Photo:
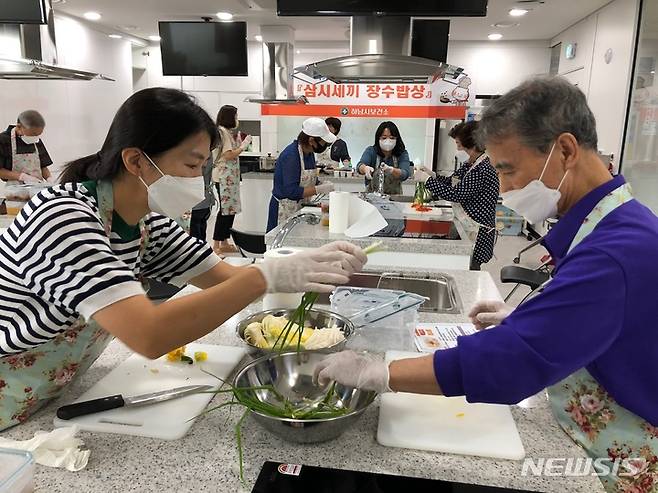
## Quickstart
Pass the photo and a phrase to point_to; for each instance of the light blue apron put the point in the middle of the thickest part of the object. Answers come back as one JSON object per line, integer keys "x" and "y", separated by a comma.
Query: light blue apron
{"x": 28, "y": 380}
{"x": 592, "y": 418}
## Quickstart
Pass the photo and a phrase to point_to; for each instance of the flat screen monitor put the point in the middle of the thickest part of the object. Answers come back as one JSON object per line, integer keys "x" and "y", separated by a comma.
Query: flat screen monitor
{"x": 204, "y": 48}
{"x": 419, "y": 8}
{"x": 23, "y": 12}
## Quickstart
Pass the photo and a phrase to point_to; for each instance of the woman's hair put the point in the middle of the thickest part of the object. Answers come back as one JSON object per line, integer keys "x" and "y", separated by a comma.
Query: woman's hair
{"x": 303, "y": 139}
{"x": 334, "y": 122}
{"x": 466, "y": 133}
{"x": 393, "y": 128}
{"x": 226, "y": 116}
{"x": 154, "y": 120}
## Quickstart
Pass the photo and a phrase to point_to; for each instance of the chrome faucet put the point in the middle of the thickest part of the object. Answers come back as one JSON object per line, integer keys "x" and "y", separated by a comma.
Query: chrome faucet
{"x": 290, "y": 224}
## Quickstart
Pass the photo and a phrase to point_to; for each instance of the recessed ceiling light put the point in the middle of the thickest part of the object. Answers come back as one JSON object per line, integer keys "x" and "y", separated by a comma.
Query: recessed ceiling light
{"x": 128, "y": 28}
{"x": 495, "y": 36}
{"x": 92, "y": 16}
{"x": 653, "y": 72}
{"x": 154, "y": 38}
{"x": 115, "y": 36}
{"x": 298, "y": 51}
{"x": 224, "y": 16}
{"x": 505, "y": 24}
{"x": 58, "y": 1}
{"x": 258, "y": 37}
{"x": 518, "y": 12}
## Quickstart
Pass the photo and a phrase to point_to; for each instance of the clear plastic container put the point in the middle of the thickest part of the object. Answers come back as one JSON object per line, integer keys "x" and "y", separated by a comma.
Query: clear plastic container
{"x": 17, "y": 192}
{"x": 14, "y": 206}
{"x": 16, "y": 471}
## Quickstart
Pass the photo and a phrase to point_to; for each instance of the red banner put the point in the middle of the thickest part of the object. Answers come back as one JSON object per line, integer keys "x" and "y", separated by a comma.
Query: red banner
{"x": 365, "y": 111}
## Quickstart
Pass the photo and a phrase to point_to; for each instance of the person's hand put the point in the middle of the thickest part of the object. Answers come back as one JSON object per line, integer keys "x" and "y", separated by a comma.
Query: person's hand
{"x": 486, "y": 313}
{"x": 387, "y": 170}
{"x": 324, "y": 187}
{"x": 353, "y": 370}
{"x": 421, "y": 176}
{"x": 354, "y": 258}
{"x": 245, "y": 143}
{"x": 425, "y": 169}
{"x": 368, "y": 171}
{"x": 315, "y": 270}
{"x": 29, "y": 179}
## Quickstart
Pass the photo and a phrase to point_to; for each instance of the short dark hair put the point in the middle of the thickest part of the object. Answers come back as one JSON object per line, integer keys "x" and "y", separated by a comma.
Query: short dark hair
{"x": 226, "y": 116}
{"x": 31, "y": 119}
{"x": 393, "y": 128}
{"x": 537, "y": 112}
{"x": 334, "y": 122}
{"x": 465, "y": 132}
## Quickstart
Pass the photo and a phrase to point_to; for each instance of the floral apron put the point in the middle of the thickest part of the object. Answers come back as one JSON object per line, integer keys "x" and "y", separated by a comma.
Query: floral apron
{"x": 591, "y": 417}
{"x": 226, "y": 173}
{"x": 391, "y": 185}
{"x": 24, "y": 163}
{"x": 307, "y": 178}
{"x": 29, "y": 380}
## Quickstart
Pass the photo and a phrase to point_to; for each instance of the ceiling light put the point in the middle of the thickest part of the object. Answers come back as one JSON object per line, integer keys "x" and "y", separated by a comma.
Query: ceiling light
{"x": 258, "y": 37}
{"x": 115, "y": 36}
{"x": 92, "y": 16}
{"x": 518, "y": 12}
{"x": 58, "y": 1}
{"x": 495, "y": 36}
{"x": 298, "y": 51}
{"x": 653, "y": 72}
{"x": 154, "y": 38}
{"x": 505, "y": 24}
{"x": 224, "y": 16}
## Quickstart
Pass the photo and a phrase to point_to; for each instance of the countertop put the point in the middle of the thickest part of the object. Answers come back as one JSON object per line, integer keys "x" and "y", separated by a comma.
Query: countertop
{"x": 262, "y": 175}
{"x": 206, "y": 459}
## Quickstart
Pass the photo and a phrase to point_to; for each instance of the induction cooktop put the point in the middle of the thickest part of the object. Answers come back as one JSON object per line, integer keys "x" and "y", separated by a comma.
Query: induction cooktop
{"x": 291, "y": 478}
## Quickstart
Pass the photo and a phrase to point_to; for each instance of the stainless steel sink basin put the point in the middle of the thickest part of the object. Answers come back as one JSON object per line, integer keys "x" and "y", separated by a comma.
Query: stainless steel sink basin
{"x": 442, "y": 291}
{"x": 401, "y": 198}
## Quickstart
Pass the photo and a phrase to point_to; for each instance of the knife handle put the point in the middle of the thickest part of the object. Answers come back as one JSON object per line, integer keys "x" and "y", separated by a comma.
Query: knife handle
{"x": 90, "y": 407}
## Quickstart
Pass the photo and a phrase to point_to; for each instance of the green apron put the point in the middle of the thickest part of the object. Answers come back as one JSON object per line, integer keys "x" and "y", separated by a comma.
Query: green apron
{"x": 28, "y": 380}
{"x": 591, "y": 417}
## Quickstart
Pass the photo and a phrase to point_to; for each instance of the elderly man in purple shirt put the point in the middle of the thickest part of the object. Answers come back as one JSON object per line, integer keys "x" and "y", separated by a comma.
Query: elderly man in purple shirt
{"x": 590, "y": 337}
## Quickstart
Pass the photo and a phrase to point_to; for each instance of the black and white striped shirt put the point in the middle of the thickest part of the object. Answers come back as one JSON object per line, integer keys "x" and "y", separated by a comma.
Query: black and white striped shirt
{"x": 57, "y": 263}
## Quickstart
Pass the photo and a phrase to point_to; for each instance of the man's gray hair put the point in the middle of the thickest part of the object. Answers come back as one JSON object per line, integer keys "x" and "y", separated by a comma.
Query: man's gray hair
{"x": 537, "y": 112}
{"x": 31, "y": 119}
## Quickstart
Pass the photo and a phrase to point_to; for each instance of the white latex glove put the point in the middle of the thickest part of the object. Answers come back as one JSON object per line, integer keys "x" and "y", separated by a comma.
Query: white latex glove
{"x": 354, "y": 258}
{"x": 245, "y": 143}
{"x": 427, "y": 170}
{"x": 421, "y": 176}
{"x": 387, "y": 170}
{"x": 353, "y": 370}
{"x": 324, "y": 187}
{"x": 486, "y": 313}
{"x": 29, "y": 179}
{"x": 314, "y": 270}
{"x": 368, "y": 171}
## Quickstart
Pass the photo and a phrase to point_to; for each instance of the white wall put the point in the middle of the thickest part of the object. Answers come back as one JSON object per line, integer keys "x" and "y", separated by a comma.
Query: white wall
{"x": 77, "y": 113}
{"x": 496, "y": 67}
{"x": 606, "y": 85}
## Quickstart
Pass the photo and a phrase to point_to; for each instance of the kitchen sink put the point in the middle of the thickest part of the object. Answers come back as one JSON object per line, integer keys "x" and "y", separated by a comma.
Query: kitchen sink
{"x": 441, "y": 291}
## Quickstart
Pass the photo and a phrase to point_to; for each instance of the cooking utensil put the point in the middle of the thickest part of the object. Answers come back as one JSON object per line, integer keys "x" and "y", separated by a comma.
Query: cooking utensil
{"x": 115, "y": 401}
{"x": 291, "y": 375}
{"x": 267, "y": 163}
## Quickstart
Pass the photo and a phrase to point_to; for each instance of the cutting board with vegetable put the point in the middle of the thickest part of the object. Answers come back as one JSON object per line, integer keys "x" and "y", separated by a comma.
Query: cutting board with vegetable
{"x": 447, "y": 424}
{"x": 168, "y": 420}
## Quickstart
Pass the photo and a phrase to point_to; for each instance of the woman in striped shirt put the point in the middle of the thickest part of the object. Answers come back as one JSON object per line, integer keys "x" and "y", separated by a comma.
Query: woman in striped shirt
{"x": 72, "y": 261}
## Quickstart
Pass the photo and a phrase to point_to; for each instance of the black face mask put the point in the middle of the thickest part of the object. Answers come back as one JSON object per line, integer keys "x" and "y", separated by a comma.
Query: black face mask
{"x": 320, "y": 148}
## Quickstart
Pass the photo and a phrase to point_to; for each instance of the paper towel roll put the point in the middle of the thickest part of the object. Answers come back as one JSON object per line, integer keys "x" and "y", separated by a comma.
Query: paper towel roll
{"x": 339, "y": 206}
{"x": 272, "y": 301}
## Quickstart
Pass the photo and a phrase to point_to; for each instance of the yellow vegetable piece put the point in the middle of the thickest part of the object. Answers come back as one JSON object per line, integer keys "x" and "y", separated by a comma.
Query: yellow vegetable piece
{"x": 460, "y": 415}
{"x": 253, "y": 334}
{"x": 200, "y": 356}
{"x": 176, "y": 354}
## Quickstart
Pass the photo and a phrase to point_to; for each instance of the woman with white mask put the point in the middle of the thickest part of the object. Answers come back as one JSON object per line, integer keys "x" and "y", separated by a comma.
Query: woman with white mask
{"x": 386, "y": 163}
{"x": 73, "y": 262}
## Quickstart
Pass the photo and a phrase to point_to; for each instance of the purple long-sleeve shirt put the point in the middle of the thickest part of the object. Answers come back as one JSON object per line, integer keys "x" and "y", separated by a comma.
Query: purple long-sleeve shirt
{"x": 598, "y": 312}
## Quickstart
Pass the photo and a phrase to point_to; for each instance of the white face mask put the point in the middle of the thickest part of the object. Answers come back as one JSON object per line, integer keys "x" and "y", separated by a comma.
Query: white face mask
{"x": 536, "y": 202}
{"x": 28, "y": 139}
{"x": 173, "y": 196}
{"x": 387, "y": 144}
{"x": 462, "y": 156}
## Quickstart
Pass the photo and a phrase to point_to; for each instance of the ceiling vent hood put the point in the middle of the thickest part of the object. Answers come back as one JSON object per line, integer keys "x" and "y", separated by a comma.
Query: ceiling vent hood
{"x": 277, "y": 75}
{"x": 29, "y": 52}
{"x": 380, "y": 49}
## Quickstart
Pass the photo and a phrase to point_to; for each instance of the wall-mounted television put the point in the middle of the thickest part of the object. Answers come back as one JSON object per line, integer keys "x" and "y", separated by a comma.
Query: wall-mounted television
{"x": 204, "y": 48}
{"x": 23, "y": 12}
{"x": 419, "y": 8}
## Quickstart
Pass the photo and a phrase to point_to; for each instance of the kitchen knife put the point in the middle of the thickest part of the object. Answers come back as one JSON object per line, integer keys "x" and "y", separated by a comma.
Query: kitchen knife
{"x": 116, "y": 401}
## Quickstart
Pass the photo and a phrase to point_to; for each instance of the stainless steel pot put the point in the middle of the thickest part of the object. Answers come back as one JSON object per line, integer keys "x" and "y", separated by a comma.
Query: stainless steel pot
{"x": 267, "y": 163}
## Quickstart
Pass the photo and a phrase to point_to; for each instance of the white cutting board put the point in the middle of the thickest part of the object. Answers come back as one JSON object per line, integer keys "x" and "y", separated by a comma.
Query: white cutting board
{"x": 447, "y": 424}
{"x": 168, "y": 420}
{"x": 436, "y": 214}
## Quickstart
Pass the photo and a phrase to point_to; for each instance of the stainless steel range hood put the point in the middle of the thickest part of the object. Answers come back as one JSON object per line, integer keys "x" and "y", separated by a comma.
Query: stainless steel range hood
{"x": 380, "y": 54}
{"x": 30, "y": 52}
{"x": 277, "y": 75}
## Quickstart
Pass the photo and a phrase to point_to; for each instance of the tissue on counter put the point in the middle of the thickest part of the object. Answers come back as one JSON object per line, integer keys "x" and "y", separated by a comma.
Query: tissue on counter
{"x": 339, "y": 211}
{"x": 364, "y": 219}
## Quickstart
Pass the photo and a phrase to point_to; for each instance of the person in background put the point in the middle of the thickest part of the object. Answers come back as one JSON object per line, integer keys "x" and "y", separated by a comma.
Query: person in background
{"x": 23, "y": 157}
{"x": 295, "y": 174}
{"x": 590, "y": 336}
{"x": 201, "y": 212}
{"x": 226, "y": 175}
{"x": 473, "y": 189}
{"x": 386, "y": 160}
{"x": 337, "y": 152}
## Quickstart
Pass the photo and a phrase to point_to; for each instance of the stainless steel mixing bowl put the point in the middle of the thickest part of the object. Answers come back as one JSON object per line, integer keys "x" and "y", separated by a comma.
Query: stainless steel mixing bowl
{"x": 315, "y": 317}
{"x": 291, "y": 374}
